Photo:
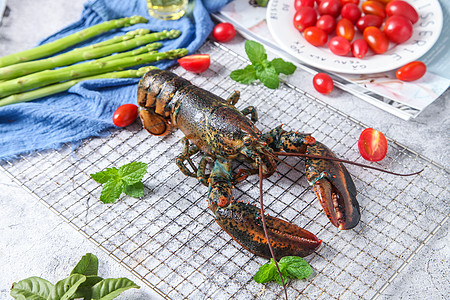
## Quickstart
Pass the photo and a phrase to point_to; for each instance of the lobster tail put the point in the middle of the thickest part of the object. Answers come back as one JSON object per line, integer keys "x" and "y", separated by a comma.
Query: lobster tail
{"x": 155, "y": 94}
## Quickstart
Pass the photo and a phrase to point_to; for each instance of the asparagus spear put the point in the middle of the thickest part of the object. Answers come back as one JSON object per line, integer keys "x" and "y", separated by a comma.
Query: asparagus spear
{"x": 117, "y": 39}
{"x": 84, "y": 53}
{"x": 70, "y": 40}
{"x": 103, "y": 65}
{"x": 64, "y": 86}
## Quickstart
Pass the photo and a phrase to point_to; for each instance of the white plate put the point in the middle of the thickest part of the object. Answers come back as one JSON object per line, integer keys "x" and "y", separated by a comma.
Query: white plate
{"x": 280, "y": 15}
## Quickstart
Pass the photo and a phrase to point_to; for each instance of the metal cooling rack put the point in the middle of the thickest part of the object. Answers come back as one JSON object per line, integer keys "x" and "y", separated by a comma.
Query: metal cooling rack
{"x": 171, "y": 241}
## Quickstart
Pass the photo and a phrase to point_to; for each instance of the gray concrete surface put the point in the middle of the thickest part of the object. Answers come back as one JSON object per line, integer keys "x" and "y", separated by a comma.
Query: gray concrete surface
{"x": 34, "y": 241}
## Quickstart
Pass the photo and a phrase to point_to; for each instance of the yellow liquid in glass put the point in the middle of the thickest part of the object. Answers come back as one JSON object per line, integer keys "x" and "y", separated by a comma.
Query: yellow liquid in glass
{"x": 167, "y": 9}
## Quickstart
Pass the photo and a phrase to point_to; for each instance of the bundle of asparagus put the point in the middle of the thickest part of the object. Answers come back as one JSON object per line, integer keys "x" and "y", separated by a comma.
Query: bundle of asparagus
{"x": 27, "y": 75}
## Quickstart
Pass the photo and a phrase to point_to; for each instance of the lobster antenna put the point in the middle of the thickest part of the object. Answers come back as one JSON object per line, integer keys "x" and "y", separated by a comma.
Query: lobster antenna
{"x": 343, "y": 161}
{"x": 265, "y": 228}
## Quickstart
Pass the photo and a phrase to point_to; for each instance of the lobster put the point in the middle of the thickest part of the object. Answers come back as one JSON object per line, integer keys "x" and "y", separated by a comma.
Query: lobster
{"x": 222, "y": 134}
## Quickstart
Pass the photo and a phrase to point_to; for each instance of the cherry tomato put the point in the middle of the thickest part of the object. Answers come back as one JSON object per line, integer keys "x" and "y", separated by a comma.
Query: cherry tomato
{"x": 372, "y": 145}
{"x": 339, "y": 46}
{"x": 327, "y": 23}
{"x": 301, "y": 3}
{"x": 125, "y": 115}
{"x": 224, "y": 32}
{"x": 402, "y": 8}
{"x": 351, "y": 11}
{"x": 323, "y": 83}
{"x": 196, "y": 63}
{"x": 376, "y": 39}
{"x": 315, "y": 36}
{"x": 346, "y": 29}
{"x": 411, "y": 71}
{"x": 398, "y": 29}
{"x": 373, "y": 8}
{"x": 305, "y": 17}
{"x": 368, "y": 20}
{"x": 343, "y": 2}
{"x": 330, "y": 7}
{"x": 359, "y": 48}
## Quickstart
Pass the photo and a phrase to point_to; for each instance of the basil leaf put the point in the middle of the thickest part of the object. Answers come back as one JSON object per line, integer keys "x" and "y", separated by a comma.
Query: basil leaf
{"x": 85, "y": 289}
{"x": 66, "y": 288}
{"x": 112, "y": 287}
{"x": 103, "y": 176}
{"x": 32, "y": 288}
{"x": 111, "y": 191}
{"x": 135, "y": 190}
{"x": 255, "y": 52}
{"x": 282, "y": 66}
{"x": 245, "y": 76}
{"x": 88, "y": 265}
{"x": 132, "y": 172}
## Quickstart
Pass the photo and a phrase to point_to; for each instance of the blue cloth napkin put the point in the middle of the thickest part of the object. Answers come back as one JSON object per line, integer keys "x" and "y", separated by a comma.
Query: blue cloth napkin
{"x": 86, "y": 109}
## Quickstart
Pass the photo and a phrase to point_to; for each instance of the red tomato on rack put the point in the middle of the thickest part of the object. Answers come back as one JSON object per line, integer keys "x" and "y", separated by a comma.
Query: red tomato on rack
{"x": 372, "y": 145}
{"x": 125, "y": 115}
{"x": 224, "y": 32}
{"x": 195, "y": 63}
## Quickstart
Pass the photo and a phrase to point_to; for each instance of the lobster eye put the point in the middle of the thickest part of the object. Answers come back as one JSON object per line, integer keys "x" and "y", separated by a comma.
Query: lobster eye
{"x": 247, "y": 140}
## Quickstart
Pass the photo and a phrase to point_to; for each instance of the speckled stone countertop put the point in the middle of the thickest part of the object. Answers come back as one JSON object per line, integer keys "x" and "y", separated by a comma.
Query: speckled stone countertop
{"x": 35, "y": 242}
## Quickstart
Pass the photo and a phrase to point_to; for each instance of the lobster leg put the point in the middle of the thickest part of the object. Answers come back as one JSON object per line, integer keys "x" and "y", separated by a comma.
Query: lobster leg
{"x": 330, "y": 179}
{"x": 243, "y": 221}
{"x": 186, "y": 156}
{"x": 199, "y": 172}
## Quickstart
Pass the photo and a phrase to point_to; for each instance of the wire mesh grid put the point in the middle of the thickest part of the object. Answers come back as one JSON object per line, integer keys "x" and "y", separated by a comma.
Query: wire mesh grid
{"x": 170, "y": 240}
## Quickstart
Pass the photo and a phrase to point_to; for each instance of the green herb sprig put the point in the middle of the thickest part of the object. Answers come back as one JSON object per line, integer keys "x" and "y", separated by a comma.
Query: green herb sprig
{"x": 83, "y": 282}
{"x": 127, "y": 179}
{"x": 290, "y": 266}
{"x": 261, "y": 68}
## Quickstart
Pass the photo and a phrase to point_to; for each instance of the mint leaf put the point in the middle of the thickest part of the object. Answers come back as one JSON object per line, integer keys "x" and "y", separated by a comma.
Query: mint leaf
{"x": 297, "y": 267}
{"x": 132, "y": 172}
{"x": 111, "y": 191}
{"x": 127, "y": 179}
{"x": 290, "y": 266}
{"x": 266, "y": 71}
{"x": 103, "y": 176}
{"x": 266, "y": 273}
{"x": 255, "y": 52}
{"x": 135, "y": 190}
{"x": 268, "y": 76}
{"x": 282, "y": 66}
{"x": 88, "y": 265}
{"x": 245, "y": 76}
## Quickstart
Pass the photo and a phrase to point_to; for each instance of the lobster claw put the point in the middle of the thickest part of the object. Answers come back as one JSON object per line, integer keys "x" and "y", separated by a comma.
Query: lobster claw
{"x": 243, "y": 222}
{"x": 333, "y": 186}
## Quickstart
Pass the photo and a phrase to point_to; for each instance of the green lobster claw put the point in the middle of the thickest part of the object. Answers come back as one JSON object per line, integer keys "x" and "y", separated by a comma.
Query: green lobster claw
{"x": 243, "y": 221}
{"x": 333, "y": 187}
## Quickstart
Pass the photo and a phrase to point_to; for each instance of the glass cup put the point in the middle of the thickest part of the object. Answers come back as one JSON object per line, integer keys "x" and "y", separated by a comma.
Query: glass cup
{"x": 167, "y": 9}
